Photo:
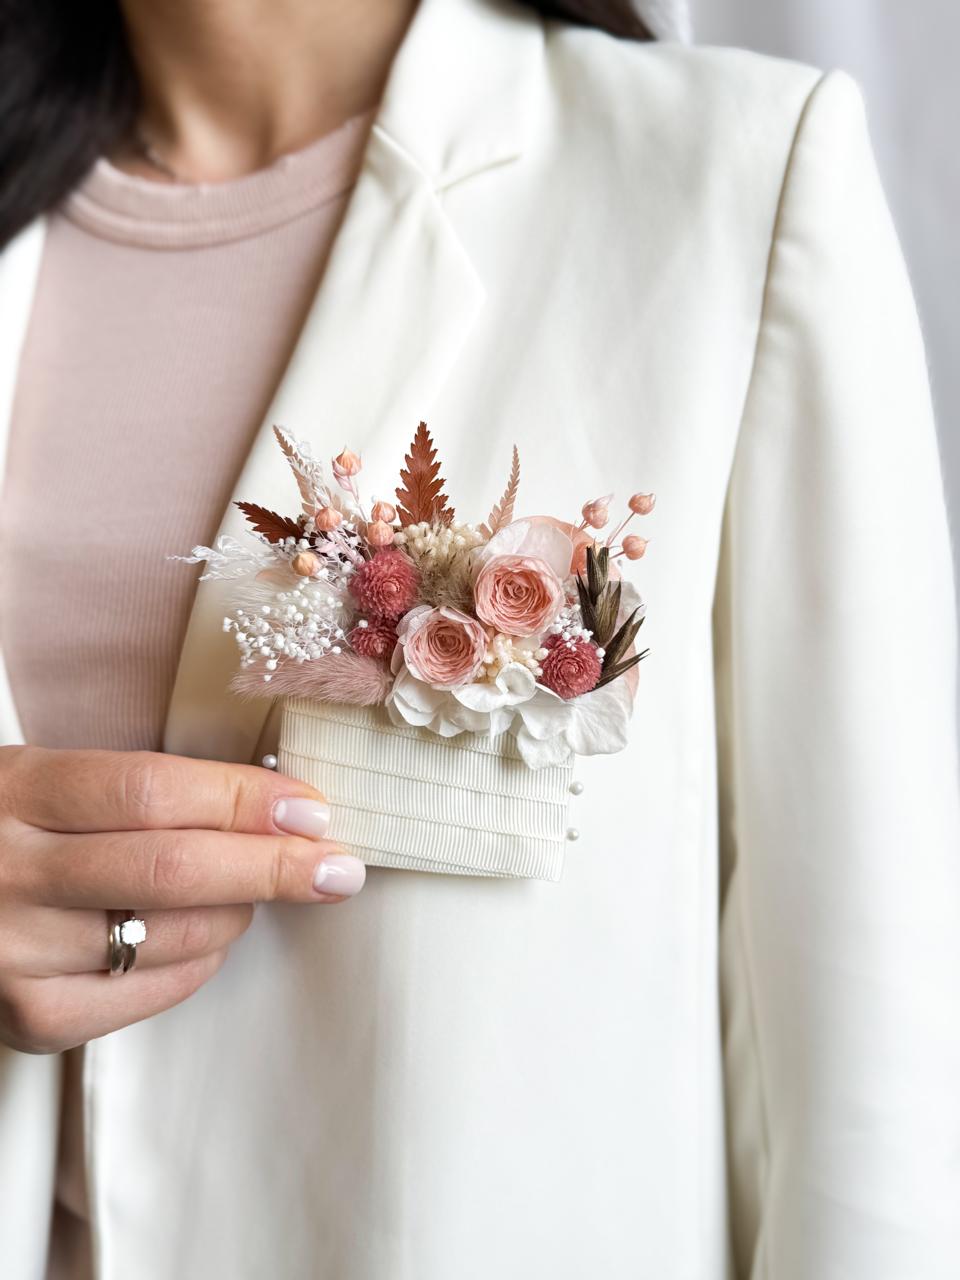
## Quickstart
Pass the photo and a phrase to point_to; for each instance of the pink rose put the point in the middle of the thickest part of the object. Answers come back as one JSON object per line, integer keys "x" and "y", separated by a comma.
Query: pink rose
{"x": 519, "y": 595}
{"x": 443, "y": 647}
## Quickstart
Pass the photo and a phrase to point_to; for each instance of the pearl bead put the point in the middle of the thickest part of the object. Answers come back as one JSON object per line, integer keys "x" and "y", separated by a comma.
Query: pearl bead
{"x": 573, "y": 833}
{"x": 269, "y": 762}
{"x": 576, "y": 788}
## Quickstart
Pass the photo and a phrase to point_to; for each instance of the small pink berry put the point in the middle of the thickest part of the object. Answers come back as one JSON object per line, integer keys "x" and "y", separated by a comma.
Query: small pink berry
{"x": 305, "y": 564}
{"x": 641, "y": 504}
{"x": 384, "y": 511}
{"x": 597, "y": 512}
{"x": 634, "y": 546}
{"x": 379, "y": 533}
{"x": 327, "y": 519}
{"x": 346, "y": 463}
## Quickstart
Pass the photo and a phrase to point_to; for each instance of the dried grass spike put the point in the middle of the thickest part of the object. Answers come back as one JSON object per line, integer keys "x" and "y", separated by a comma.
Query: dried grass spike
{"x": 338, "y": 677}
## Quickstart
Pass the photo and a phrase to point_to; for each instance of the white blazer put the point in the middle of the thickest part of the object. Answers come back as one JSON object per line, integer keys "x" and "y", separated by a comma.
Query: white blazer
{"x": 727, "y": 1043}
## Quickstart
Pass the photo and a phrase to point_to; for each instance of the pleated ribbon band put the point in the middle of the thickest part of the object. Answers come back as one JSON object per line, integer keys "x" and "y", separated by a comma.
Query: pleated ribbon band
{"x": 405, "y": 797}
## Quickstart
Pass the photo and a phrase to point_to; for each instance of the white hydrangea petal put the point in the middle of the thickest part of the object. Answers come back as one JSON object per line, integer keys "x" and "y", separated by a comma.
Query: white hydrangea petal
{"x": 539, "y": 753}
{"x": 600, "y": 720}
{"x": 545, "y": 715}
{"x": 514, "y": 684}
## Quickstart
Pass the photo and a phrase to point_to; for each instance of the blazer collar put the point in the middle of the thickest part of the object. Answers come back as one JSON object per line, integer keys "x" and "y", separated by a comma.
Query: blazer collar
{"x": 398, "y": 299}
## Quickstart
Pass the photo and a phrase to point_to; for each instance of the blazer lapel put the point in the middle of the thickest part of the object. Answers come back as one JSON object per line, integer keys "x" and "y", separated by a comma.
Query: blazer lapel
{"x": 397, "y": 301}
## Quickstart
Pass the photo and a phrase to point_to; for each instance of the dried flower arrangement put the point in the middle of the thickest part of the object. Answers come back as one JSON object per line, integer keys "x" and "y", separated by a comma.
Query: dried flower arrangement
{"x": 514, "y": 624}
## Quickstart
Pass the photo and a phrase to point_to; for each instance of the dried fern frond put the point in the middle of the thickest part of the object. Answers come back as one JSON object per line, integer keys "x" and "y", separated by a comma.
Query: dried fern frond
{"x": 502, "y": 512}
{"x": 422, "y": 498}
{"x": 307, "y": 473}
{"x": 273, "y": 527}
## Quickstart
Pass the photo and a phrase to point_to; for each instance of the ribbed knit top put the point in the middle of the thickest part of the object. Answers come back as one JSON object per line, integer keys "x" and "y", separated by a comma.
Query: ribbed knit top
{"x": 164, "y": 316}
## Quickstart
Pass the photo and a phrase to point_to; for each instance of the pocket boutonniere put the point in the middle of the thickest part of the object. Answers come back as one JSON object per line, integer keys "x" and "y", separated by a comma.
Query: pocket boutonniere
{"x": 513, "y": 639}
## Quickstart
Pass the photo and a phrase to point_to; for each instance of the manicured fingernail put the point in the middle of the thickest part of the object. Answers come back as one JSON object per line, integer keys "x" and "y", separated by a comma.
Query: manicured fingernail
{"x": 302, "y": 817}
{"x": 339, "y": 873}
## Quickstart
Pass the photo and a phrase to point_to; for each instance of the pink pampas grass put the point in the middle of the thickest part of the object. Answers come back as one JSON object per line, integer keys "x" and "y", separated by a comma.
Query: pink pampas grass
{"x": 339, "y": 677}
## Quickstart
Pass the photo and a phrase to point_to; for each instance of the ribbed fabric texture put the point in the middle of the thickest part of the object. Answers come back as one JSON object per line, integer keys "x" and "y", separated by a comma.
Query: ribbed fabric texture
{"x": 405, "y": 797}
{"x": 164, "y": 316}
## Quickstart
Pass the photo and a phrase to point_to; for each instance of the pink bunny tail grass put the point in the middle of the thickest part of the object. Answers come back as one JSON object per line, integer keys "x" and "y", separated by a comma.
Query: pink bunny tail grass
{"x": 339, "y": 677}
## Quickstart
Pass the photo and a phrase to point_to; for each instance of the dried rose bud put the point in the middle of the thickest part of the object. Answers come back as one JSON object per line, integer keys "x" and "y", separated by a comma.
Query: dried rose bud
{"x": 379, "y": 533}
{"x": 305, "y": 564}
{"x": 346, "y": 463}
{"x": 384, "y": 511}
{"x": 641, "y": 504}
{"x": 596, "y": 513}
{"x": 327, "y": 519}
{"x": 634, "y": 546}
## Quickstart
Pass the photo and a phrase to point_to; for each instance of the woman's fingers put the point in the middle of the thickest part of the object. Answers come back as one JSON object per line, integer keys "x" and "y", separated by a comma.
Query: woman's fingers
{"x": 49, "y": 943}
{"x": 48, "y": 1015}
{"x": 75, "y": 791}
{"x": 170, "y": 869}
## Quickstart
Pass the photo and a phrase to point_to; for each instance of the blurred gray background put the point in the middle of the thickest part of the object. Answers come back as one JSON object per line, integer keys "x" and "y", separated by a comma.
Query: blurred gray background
{"x": 904, "y": 56}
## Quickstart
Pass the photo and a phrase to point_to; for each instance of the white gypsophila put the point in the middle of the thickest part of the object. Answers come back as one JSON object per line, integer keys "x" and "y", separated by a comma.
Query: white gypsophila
{"x": 568, "y": 625}
{"x": 301, "y": 624}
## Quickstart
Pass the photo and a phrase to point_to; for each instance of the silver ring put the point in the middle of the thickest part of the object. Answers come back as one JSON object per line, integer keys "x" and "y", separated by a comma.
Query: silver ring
{"x": 122, "y": 939}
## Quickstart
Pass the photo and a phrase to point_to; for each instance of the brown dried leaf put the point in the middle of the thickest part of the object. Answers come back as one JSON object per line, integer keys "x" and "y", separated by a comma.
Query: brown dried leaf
{"x": 272, "y": 526}
{"x": 422, "y": 497}
{"x": 620, "y": 669}
{"x": 502, "y": 512}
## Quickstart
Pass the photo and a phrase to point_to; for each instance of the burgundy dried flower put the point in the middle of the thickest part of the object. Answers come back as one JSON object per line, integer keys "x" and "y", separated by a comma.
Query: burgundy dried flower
{"x": 571, "y": 667}
{"x": 386, "y": 586}
{"x": 376, "y": 640}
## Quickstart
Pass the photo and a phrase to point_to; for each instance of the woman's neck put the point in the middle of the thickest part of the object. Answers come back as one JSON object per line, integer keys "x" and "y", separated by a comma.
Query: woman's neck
{"x": 229, "y": 85}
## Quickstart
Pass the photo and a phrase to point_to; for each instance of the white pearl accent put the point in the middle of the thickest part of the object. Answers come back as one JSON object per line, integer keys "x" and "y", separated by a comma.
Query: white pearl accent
{"x": 573, "y": 833}
{"x": 269, "y": 762}
{"x": 576, "y": 788}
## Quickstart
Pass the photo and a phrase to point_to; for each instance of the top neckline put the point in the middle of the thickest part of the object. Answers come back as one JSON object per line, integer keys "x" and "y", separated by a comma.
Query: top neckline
{"x": 134, "y": 210}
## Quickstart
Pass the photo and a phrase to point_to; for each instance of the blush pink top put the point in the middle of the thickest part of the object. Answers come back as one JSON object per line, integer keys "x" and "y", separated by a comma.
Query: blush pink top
{"x": 164, "y": 316}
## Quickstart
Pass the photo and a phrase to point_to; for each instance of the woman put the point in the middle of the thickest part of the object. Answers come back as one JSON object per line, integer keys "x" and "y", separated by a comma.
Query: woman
{"x": 727, "y": 1043}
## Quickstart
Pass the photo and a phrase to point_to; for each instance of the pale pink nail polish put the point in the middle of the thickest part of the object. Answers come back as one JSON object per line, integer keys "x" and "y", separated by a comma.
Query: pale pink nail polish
{"x": 340, "y": 873}
{"x": 299, "y": 816}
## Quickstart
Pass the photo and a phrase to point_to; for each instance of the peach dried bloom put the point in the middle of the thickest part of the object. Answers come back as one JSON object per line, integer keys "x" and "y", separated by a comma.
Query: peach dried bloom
{"x": 346, "y": 464}
{"x": 641, "y": 504}
{"x": 327, "y": 519}
{"x": 386, "y": 586}
{"x": 442, "y": 647}
{"x": 634, "y": 546}
{"x": 519, "y": 595}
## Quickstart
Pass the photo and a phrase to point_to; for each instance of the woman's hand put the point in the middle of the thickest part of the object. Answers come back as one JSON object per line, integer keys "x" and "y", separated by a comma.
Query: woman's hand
{"x": 191, "y": 844}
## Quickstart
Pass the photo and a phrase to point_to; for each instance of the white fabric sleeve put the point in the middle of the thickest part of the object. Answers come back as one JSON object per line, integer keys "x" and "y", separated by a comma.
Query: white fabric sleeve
{"x": 836, "y": 656}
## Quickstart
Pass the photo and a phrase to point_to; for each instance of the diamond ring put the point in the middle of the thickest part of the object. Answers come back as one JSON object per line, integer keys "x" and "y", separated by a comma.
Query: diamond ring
{"x": 122, "y": 939}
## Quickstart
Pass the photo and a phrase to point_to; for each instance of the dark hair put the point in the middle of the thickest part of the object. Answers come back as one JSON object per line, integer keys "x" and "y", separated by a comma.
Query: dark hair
{"x": 69, "y": 91}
